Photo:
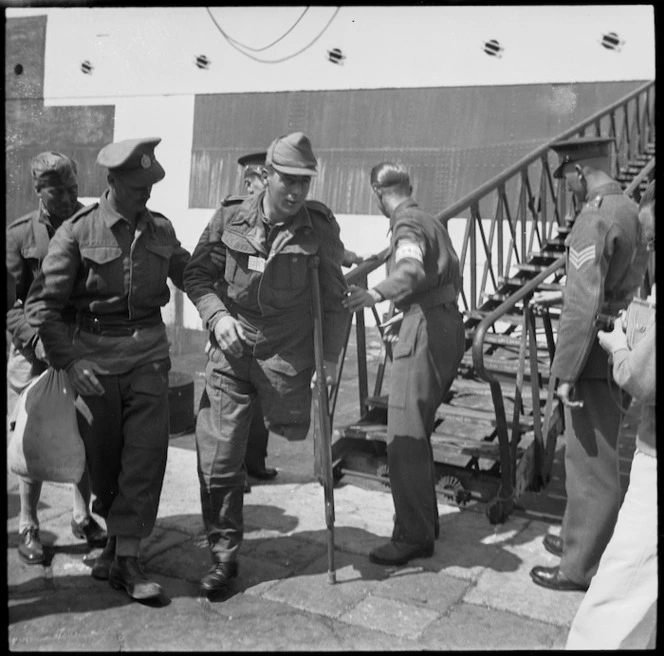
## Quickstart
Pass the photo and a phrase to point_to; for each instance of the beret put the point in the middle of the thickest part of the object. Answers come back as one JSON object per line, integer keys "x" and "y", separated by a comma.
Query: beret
{"x": 50, "y": 169}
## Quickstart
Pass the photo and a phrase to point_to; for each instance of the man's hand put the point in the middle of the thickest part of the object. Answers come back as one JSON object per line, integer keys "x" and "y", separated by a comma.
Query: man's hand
{"x": 613, "y": 340}
{"x": 83, "y": 380}
{"x": 39, "y": 351}
{"x": 391, "y": 328}
{"x": 229, "y": 334}
{"x": 330, "y": 374}
{"x": 564, "y": 393}
{"x": 358, "y": 298}
{"x": 546, "y": 299}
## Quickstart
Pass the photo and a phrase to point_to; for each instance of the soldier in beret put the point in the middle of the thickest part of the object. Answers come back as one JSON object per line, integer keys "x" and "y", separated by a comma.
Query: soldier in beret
{"x": 606, "y": 262}
{"x": 56, "y": 185}
{"x": 249, "y": 278}
{"x": 97, "y": 306}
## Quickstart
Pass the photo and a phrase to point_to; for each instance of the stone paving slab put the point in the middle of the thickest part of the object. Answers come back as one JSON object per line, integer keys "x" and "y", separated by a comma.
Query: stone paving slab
{"x": 473, "y": 593}
{"x": 517, "y": 593}
{"x": 470, "y": 627}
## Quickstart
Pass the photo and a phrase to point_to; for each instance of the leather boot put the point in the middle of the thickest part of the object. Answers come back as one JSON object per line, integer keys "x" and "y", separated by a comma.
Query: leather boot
{"x": 29, "y": 547}
{"x": 104, "y": 561}
{"x": 219, "y": 577}
{"x": 399, "y": 553}
{"x": 126, "y": 572}
{"x": 90, "y": 531}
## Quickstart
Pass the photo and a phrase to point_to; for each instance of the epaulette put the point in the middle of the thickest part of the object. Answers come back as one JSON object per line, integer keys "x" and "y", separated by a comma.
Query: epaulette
{"x": 21, "y": 219}
{"x": 232, "y": 199}
{"x": 321, "y": 208}
{"x": 595, "y": 203}
{"x": 83, "y": 212}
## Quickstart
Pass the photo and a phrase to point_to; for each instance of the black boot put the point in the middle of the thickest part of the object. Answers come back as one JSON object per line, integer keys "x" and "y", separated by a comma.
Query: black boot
{"x": 219, "y": 577}
{"x": 126, "y": 572}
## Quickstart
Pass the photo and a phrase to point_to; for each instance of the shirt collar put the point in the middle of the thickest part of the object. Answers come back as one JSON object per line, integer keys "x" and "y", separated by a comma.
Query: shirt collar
{"x": 111, "y": 216}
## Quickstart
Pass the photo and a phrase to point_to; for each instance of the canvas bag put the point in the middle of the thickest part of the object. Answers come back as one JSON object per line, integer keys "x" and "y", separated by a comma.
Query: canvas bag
{"x": 46, "y": 444}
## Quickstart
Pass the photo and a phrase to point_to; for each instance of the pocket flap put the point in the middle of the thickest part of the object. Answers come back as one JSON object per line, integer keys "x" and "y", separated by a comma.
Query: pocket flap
{"x": 101, "y": 254}
{"x": 162, "y": 250}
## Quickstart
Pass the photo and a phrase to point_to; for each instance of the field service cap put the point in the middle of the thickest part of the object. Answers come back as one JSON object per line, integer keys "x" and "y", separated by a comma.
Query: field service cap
{"x": 133, "y": 160}
{"x": 292, "y": 154}
{"x": 50, "y": 169}
{"x": 252, "y": 163}
{"x": 582, "y": 148}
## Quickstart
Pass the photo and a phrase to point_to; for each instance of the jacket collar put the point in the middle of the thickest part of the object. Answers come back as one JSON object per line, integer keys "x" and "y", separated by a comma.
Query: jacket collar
{"x": 110, "y": 216}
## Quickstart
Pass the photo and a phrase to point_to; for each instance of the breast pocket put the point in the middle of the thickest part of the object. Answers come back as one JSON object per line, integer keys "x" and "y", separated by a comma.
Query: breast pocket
{"x": 156, "y": 273}
{"x": 105, "y": 270}
{"x": 290, "y": 271}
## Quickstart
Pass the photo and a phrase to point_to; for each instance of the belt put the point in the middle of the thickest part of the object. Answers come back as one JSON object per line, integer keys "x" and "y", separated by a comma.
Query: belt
{"x": 92, "y": 323}
{"x": 438, "y": 296}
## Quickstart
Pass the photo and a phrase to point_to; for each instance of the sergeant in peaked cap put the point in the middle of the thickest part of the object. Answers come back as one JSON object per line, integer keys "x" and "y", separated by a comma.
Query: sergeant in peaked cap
{"x": 581, "y": 150}
{"x": 133, "y": 160}
{"x": 606, "y": 262}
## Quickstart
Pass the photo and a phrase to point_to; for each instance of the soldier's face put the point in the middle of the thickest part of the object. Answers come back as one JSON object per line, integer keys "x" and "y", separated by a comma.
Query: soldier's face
{"x": 286, "y": 193}
{"x": 253, "y": 185}
{"x": 576, "y": 182}
{"x": 131, "y": 198}
{"x": 60, "y": 200}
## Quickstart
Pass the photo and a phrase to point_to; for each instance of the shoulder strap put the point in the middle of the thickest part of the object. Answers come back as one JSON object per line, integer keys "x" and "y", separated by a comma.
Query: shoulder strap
{"x": 41, "y": 237}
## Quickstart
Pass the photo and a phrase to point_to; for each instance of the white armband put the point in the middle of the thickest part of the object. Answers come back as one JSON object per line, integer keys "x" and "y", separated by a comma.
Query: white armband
{"x": 408, "y": 249}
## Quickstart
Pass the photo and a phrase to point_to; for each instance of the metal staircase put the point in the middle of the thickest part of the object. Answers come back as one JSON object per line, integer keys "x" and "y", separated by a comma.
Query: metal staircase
{"x": 496, "y": 432}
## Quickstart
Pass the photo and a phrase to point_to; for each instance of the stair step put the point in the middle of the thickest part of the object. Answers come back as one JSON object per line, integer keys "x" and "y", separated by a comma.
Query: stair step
{"x": 544, "y": 286}
{"x": 473, "y": 414}
{"x": 534, "y": 268}
{"x": 506, "y": 366}
{"x": 491, "y": 338}
{"x": 543, "y": 255}
{"x": 514, "y": 319}
{"x": 448, "y": 441}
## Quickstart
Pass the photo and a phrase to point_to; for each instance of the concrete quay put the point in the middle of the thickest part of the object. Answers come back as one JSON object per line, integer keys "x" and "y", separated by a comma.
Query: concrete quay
{"x": 475, "y": 593}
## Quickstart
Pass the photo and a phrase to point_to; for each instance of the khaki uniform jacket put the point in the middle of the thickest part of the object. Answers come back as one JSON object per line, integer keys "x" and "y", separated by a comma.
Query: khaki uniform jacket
{"x": 99, "y": 267}
{"x": 26, "y": 247}
{"x": 606, "y": 263}
{"x": 231, "y": 272}
{"x": 409, "y": 281}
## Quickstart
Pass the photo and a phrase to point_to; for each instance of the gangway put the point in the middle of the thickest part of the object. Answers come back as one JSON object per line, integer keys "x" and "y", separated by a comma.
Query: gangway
{"x": 495, "y": 433}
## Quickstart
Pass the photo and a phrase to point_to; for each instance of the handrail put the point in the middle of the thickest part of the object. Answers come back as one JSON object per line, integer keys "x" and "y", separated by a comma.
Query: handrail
{"x": 502, "y": 309}
{"x": 644, "y": 174}
{"x": 362, "y": 270}
{"x": 536, "y": 154}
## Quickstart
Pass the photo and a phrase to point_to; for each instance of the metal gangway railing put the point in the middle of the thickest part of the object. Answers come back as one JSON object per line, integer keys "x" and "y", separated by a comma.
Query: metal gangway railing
{"x": 510, "y": 219}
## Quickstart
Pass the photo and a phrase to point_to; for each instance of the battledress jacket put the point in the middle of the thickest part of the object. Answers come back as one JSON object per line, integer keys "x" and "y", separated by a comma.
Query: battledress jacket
{"x": 234, "y": 272}
{"x": 606, "y": 263}
{"x": 26, "y": 247}
{"x": 99, "y": 268}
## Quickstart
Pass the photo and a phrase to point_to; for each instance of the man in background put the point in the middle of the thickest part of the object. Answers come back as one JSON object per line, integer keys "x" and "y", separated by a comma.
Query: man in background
{"x": 56, "y": 185}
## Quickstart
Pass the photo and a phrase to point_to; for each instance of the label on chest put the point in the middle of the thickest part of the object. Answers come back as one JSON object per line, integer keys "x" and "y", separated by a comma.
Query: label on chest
{"x": 256, "y": 264}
